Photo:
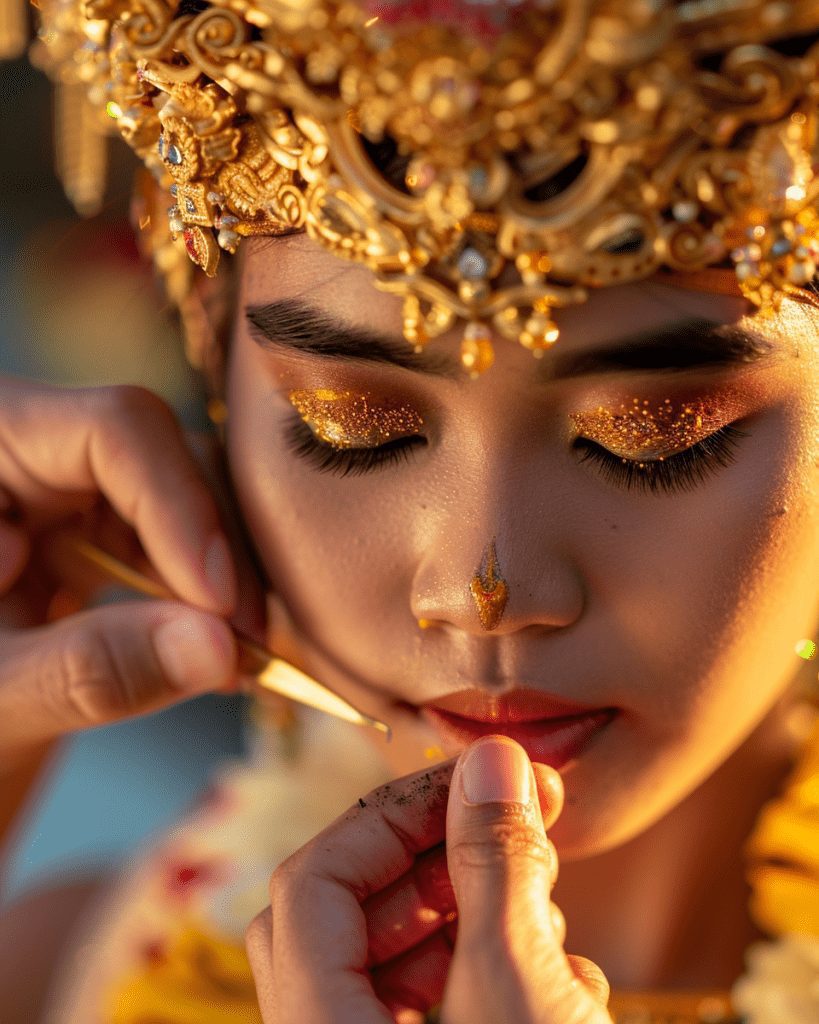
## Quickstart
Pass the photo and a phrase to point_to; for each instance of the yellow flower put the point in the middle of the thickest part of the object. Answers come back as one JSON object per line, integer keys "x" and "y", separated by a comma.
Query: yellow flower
{"x": 200, "y": 979}
{"x": 784, "y": 852}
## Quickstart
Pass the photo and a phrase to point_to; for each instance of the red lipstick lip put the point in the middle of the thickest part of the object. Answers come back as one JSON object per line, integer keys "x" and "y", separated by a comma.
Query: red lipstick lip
{"x": 523, "y": 704}
{"x": 554, "y": 741}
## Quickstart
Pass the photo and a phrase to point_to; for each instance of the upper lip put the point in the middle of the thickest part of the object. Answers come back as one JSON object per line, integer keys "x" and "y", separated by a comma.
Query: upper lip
{"x": 520, "y": 705}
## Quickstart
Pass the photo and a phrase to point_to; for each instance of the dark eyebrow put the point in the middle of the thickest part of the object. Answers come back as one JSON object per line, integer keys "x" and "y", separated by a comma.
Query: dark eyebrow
{"x": 690, "y": 343}
{"x": 293, "y": 324}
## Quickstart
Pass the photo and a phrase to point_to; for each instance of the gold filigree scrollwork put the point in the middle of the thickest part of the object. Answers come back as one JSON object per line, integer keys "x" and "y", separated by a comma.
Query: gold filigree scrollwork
{"x": 545, "y": 151}
{"x": 214, "y": 39}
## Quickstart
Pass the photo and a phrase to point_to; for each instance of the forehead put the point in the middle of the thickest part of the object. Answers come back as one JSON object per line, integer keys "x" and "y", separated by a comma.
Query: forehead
{"x": 297, "y": 267}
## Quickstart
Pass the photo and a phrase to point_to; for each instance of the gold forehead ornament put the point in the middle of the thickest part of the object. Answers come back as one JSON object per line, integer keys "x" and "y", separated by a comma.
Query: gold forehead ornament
{"x": 489, "y": 163}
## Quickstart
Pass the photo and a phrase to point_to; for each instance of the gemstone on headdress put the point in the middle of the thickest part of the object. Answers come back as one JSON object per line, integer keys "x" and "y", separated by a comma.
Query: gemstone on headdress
{"x": 420, "y": 175}
{"x": 472, "y": 264}
{"x": 228, "y": 240}
{"x": 539, "y": 333}
{"x": 168, "y": 151}
{"x": 190, "y": 206}
{"x": 415, "y": 328}
{"x": 477, "y": 353}
{"x": 478, "y": 179}
{"x": 202, "y": 248}
{"x": 685, "y": 211}
{"x": 190, "y": 245}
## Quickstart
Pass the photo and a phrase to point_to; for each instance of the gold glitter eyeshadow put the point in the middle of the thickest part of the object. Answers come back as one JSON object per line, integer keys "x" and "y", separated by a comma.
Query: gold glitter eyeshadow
{"x": 639, "y": 430}
{"x": 345, "y": 419}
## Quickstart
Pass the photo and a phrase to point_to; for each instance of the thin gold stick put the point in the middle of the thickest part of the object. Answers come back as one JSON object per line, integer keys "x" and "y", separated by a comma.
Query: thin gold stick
{"x": 258, "y": 664}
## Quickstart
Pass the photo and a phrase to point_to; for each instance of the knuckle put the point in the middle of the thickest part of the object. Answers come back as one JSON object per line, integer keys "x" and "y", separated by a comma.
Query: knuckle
{"x": 129, "y": 421}
{"x": 257, "y": 933}
{"x": 130, "y": 402}
{"x": 554, "y": 861}
{"x": 284, "y": 880}
{"x": 124, "y": 411}
{"x": 90, "y": 677}
{"x": 496, "y": 841}
{"x": 591, "y": 976}
{"x": 558, "y": 921}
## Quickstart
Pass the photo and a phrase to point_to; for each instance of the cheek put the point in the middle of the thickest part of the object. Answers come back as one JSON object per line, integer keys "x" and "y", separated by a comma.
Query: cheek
{"x": 712, "y": 577}
{"x": 702, "y": 597}
{"x": 324, "y": 540}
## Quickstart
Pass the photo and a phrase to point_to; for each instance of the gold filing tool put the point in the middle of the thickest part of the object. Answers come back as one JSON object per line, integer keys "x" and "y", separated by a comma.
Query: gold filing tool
{"x": 263, "y": 668}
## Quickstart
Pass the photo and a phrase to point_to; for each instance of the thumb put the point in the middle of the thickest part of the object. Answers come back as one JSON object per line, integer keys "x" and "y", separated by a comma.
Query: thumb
{"x": 502, "y": 867}
{"x": 498, "y": 856}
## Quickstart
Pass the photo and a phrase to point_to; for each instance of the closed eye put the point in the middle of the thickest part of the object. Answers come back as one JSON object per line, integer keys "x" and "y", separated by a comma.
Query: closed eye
{"x": 682, "y": 471}
{"x": 326, "y": 458}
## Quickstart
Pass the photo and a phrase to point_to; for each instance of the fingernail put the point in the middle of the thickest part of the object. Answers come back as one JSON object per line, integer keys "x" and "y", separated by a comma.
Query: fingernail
{"x": 496, "y": 768}
{"x": 196, "y": 653}
{"x": 220, "y": 572}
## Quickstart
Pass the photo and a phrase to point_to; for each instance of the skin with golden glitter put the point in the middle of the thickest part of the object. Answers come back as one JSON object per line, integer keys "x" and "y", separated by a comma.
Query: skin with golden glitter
{"x": 642, "y": 430}
{"x": 345, "y": 419}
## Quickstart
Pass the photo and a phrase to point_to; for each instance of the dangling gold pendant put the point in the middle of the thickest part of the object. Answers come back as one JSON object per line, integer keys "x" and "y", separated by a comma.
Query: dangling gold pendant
{"x": 489, "y": 590}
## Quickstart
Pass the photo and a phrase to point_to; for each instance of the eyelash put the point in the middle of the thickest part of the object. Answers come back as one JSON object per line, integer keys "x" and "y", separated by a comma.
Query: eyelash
{"x": 683, "y": 471}
{"x": 349, "y": 461}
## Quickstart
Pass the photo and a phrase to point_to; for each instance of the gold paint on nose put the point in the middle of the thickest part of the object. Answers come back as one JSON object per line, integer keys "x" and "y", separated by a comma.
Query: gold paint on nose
{"x": 489, "y": 590}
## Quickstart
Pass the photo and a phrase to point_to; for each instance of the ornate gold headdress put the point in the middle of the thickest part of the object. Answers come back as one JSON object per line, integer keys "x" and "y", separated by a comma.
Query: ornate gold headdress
{"x": 488, "y": 161}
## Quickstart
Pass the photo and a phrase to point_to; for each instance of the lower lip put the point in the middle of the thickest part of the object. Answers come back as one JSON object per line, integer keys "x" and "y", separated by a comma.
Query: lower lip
{"x": 552, "y": 741}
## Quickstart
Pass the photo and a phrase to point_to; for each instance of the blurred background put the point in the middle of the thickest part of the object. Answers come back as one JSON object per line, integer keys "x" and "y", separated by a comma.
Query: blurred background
{"x": 78, "y": 307}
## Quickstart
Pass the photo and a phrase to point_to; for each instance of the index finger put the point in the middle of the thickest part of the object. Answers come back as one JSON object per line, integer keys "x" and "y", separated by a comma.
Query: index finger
{"x": 319, "y": 941}
{"x": 125, "y": 443}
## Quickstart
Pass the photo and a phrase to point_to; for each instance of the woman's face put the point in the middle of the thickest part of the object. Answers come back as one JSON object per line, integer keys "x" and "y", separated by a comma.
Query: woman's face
{"x": 373, "y": 487}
